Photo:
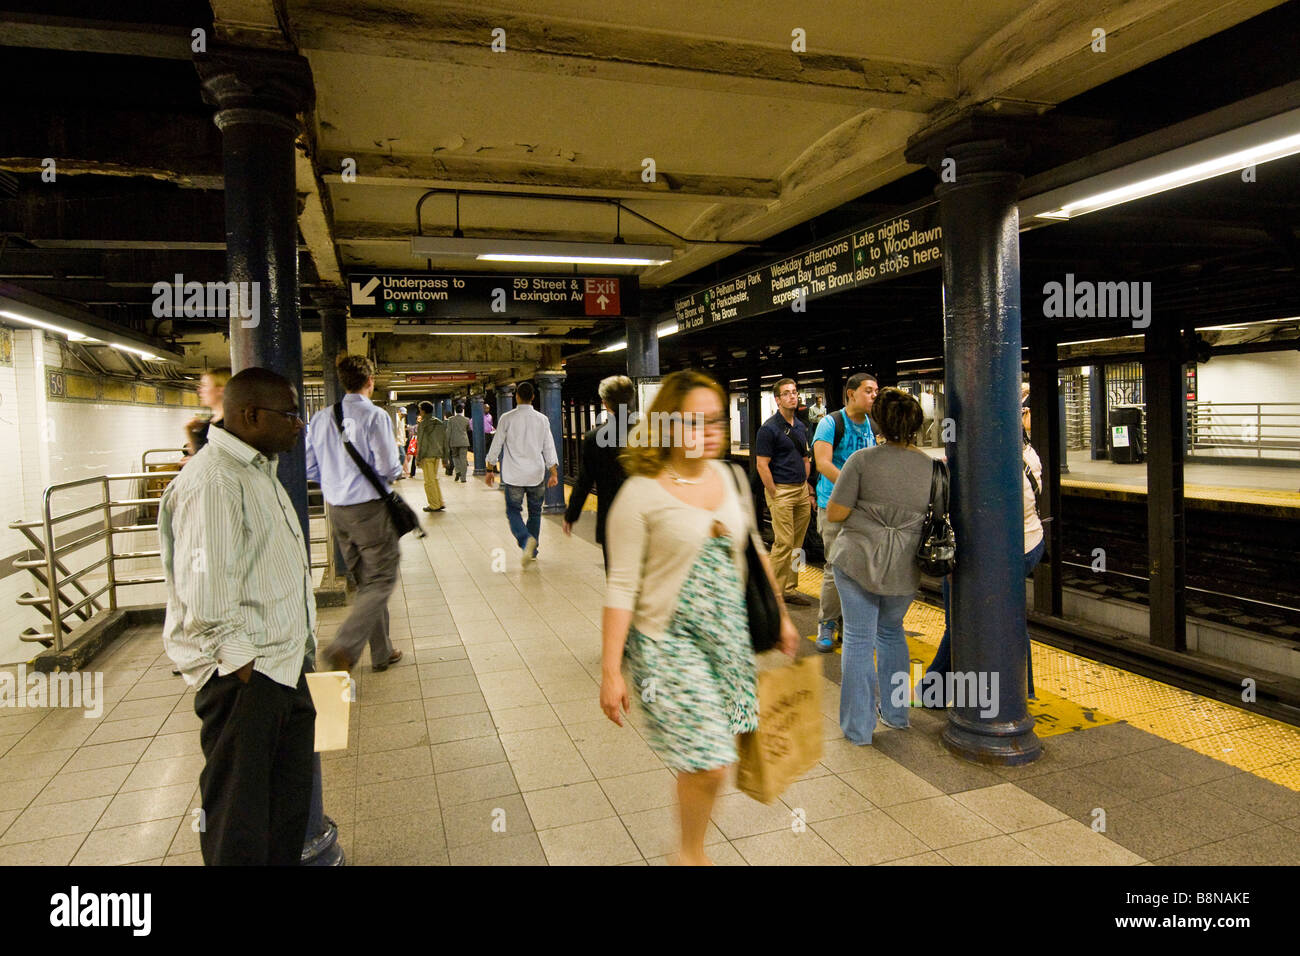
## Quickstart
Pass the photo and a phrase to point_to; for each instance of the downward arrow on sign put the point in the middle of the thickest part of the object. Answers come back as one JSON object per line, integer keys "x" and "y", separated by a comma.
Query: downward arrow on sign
{"x": 361, "y": 295}
{"x": 603, "y": 300}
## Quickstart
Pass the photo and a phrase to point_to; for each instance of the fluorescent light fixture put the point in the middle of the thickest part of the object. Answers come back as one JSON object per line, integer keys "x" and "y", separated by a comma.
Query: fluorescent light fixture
{"x": 932, "y": 358}
{"x": 468, "y": 328}
{"x": 32, "y": 309}
{"x": 616, "y": 347}
{"x": 535, "y": 250}
{"x": 71, "y": 335}
{"x": 1247, "y": 325}
{"x": 1269, "y": 139}
{"x": 134, "y": 351}
{"x": 666, "y": 329}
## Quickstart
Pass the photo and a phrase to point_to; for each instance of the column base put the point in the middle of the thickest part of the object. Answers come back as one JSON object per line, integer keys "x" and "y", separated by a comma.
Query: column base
{"x": 324, "y": 849}
{"x": 1005, "y": 743}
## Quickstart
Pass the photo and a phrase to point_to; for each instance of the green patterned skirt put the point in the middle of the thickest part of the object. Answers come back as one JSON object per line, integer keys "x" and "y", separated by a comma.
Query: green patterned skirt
{"x": 697, "y": 683}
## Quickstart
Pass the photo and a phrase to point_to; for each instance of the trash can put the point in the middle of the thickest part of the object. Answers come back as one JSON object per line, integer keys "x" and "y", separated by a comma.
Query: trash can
{"x": 1124, "y": 436}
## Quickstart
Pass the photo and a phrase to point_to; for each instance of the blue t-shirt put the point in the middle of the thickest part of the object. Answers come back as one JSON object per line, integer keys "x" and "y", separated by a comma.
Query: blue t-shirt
{"x": 787, "y": 462}
{"x": 855, "y": 437}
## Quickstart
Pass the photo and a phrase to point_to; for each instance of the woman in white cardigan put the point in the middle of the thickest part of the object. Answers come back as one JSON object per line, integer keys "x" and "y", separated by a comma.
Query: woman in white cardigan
{"x": 675, "y": 598}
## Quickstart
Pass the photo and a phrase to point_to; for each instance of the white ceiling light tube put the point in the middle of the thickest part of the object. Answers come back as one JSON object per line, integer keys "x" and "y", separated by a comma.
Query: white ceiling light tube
{"x": 537, "y": 250}
{"x": 616, "y": 347}
{"x": 1261, "y": 142}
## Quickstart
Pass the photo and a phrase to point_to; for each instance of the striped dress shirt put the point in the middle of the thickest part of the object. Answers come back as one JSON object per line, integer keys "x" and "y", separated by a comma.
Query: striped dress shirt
{"x": 238, "y": 579}
{"x": 371, "y": 434}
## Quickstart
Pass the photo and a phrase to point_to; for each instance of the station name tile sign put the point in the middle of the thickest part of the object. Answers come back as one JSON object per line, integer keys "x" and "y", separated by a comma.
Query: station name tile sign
{"x": 906, "y": 243}
{"x": 435, "y": 295}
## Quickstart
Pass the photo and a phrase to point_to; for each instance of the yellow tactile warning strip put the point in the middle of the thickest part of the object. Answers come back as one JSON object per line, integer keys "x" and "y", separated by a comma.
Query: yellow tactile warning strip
{"x": 1075, "y": 693}
{"x": 1260, "y": 497}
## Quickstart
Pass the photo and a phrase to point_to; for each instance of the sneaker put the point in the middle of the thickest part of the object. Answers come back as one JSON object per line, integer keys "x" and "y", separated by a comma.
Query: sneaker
{"x": 530, "y": 552}
{"x": 826, "y": 636}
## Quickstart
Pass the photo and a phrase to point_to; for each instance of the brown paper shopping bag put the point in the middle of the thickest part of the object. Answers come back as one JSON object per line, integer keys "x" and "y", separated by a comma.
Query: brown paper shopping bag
{"x": 789, "y": 736}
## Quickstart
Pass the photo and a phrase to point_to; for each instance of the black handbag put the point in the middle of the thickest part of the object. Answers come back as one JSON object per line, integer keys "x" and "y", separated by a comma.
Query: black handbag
{"x": 937, "y": 553}
{"x": 760, "y": 600}
{"x": 405, "y": 520}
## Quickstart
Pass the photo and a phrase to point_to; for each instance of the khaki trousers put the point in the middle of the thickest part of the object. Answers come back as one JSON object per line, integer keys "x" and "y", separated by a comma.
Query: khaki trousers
{"x": 431, "y": 489}
{"x": 790, "y": 510}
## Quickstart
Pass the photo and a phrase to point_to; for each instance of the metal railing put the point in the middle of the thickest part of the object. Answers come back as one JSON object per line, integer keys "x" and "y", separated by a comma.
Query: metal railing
{"x": 48, "y": 567}
{"x": 1244, "y": 426}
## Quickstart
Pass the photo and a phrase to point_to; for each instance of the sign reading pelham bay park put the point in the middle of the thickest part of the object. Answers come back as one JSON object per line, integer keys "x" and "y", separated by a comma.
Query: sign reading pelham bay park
{"x": 490, "y": 295}
{"x": 906, "y": 243}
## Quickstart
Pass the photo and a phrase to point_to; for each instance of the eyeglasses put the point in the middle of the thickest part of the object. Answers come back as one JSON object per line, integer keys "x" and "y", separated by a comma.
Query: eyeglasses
{"x": 293, "y": 416}
{"x": 699, "y": 421}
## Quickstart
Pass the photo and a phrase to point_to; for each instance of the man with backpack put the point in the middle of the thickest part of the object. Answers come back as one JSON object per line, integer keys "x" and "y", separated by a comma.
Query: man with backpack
{"x": 838, "y": 436}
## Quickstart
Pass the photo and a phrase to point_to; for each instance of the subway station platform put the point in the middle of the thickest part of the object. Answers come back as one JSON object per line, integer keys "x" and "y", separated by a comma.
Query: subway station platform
{"x": 486, "y": 745}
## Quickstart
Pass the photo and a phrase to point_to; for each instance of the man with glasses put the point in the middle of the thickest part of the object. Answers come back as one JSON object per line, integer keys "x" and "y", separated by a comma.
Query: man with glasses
{"x": 241, "y": 621}
{"x": 781, "y": 454}
{"x": 358, "y": 515}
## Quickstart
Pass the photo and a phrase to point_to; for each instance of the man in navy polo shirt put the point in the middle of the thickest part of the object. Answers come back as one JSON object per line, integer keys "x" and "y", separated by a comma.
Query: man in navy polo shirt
{"x": 781, "y": 454}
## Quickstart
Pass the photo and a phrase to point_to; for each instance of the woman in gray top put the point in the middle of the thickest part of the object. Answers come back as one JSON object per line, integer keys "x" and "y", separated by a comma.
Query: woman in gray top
{"x": 881, "y": 497}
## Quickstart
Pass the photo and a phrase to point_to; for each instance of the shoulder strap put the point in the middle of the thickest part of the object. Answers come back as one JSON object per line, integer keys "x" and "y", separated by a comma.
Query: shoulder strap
{"x": 838, "y": 418}
{"x": 799, "y": 446}
{"x": 362, "y": 464}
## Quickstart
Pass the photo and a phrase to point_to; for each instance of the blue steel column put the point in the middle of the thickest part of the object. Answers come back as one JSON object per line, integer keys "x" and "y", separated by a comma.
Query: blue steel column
{"x": 981, "y": 291}
{"x": 550, "y": 405}
{"x": 642, "y": 347}
{"x": 476, "y": 439}
{"x": 258, "y": 94}
{"x": 505, "y": 401}
{"x": 1097, "y": 412}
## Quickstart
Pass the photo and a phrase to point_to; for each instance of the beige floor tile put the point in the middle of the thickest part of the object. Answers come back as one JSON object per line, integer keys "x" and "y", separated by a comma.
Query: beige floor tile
{"x": 110, "y": 731}
{"x": 372, "y": 740}
{"x": 788, "y": 848}
{"x": 1008, "y": 807}
{"x": 887, "y": 784}
{"x": 56, "y": 819}
{"x": 55, "y": 736}
{"x": 394, "y": 764}
{"x": 450, "y": 686}
{"x": 403, "y": 839}
{"x": 595, "y": 843}
{"x": 510, "y": 689}
{"x": 164, "y": 773}
{"x": 397, "y": 712}
{"x": 461, "y": 726}
{"x": 463, "y": 754}
{"x": 921, "y": 859}
{"x": 573, "y": 712}
{"x": 941, "y": 822}
{"x": 172, "y": 745}
{"x": 1000, "y": 850}
{"x": 641, "y": 791}
{"x": 840, "y": 756}
{"x": 182, "y": 722}
{"x": 412, "y": 794}
{"x": 21, "y": 722}
{"x": 868, "y": 838}
{"x": 657, "y": 832}
{"x": 1070, "y": 843}
{"x": 534, "y": 717}
{"x": 574, "y": 688}
{"x": 184, "y": 859}
{"x": 612, "y": 751}
{"x": 454, "y": 705}
{"x": 562, "y": 806}
{"x": 437, "y": 670}
{"x": 66, "y": 787}
{"x": 53, "y": 851}
{"x": 18, "y": 794}
{"x": 495, "y": 658}
{"x": 107, "y": 755}
{"x": 738, "y": 815}
{"x": 483, "y": 820}
{"x": 7, "y": 817}
{"x": 504, "y": 849}
{"x": 148, "y": 707}
{"x": 722, "y": 854}
{"x": 823, "y": 797}
{"x": 477, "y": 783}
{"x": 127, "y": 844}
{"x": 142, "y": 806}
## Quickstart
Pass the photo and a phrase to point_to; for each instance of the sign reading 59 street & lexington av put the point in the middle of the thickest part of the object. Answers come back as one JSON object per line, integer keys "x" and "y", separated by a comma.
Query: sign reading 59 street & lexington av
{"x": 490, "y": 295}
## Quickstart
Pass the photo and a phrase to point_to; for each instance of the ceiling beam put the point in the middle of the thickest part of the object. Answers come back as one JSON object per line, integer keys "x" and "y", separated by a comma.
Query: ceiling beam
{"x": 95, "y": 36}
{"x": 460, "y": 35}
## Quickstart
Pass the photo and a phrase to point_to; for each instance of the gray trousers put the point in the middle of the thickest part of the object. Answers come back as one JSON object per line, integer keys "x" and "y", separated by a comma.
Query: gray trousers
{"x": 830, "y": 530}
{"x": 372, "y": 554}
{"x": 458, "y": 459}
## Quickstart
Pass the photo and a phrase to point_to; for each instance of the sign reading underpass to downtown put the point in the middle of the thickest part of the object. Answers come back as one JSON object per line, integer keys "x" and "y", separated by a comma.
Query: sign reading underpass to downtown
{"x": 900, "y": 245}
{"x": 490, "y": 295}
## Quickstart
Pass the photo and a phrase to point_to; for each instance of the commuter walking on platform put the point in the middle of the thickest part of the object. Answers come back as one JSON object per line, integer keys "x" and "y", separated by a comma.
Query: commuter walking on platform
{"x": 525, "y": 449}
{"x": 600, "y": 465}
{"x": 880, "y": 498}
{"x": 838, "y": 436}
{"x": 241, "y": 622}
{"x": 430, "y": 449}
{"x": 675, "y": 597}
{"x": 212, "y": 385}
{"x": 781, "y": 455}
{"x": 1035, "y": 545}
{"x": 458, "y": 441}
{"x": 357, "y": 513}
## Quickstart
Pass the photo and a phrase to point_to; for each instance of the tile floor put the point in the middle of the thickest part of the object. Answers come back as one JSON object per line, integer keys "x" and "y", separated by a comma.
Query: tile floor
{"x": 486, "y": 746}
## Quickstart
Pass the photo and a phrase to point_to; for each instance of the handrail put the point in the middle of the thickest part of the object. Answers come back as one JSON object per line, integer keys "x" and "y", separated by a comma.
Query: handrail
{"x": 54, "y": 603}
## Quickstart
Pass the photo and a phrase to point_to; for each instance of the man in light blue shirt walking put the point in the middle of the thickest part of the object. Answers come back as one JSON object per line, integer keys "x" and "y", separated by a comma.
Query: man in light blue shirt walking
{"x": 357, "y": 513}
{"x": 526, "y": 451}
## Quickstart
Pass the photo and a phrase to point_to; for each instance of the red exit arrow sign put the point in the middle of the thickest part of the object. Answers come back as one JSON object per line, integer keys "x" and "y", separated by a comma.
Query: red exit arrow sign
{"x": 600, "y": 297}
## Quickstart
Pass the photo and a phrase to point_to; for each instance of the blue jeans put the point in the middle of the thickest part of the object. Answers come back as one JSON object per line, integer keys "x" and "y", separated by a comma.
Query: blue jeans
{"x": 515, "y": 495}
{"x": 873, "y": 626}
{"x": 942, "y": 662}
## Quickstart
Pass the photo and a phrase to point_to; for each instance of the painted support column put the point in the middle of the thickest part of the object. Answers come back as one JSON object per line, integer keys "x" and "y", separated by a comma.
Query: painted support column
{"x": 1162, "y": 372}
{"x": 476, "y": 441}
{"x": 1097, "y": 412}
{"x": 754, "y": 399}
{"x": 505, "y": 401}
{"x": 1046, "y": 439}
{"x": 642, "y": 347}
{"x": 981, "y": 294}
{"x": 549, "y": 403}
{"x": 258, "y": 95}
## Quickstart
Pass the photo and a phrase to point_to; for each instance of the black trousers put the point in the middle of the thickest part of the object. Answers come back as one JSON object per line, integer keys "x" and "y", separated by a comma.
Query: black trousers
{"x": 258, "y": 739}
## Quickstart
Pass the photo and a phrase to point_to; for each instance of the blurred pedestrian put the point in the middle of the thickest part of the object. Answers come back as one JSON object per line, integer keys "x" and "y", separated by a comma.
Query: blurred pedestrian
{"x": 458, "y": 441}
{"x": 599, "y": 464}
{"x": 212, "y": 385}
{"x": 525, "y": 449}
{"x": 431, "y": 448}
